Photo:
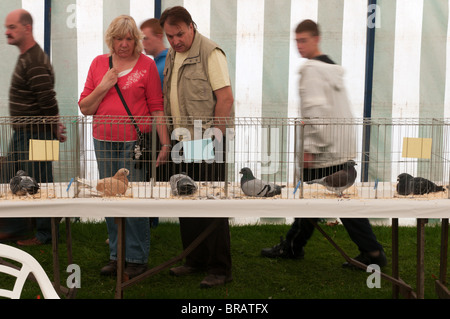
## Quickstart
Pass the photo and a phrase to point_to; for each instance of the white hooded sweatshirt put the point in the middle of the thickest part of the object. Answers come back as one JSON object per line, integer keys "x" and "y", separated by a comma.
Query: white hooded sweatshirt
{"x": 329, "y": 131}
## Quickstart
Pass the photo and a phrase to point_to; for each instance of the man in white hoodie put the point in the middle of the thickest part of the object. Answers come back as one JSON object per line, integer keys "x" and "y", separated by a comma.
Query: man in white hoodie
{"x": 324, "y": 102}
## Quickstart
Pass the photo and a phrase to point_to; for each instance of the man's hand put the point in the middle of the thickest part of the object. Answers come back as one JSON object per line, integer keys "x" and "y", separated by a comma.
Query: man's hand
{"x": 163, "y": 156}
{"x": 308, "y": 160}
{"x": 61, "y": 133}
{"x": 223, "y": 107}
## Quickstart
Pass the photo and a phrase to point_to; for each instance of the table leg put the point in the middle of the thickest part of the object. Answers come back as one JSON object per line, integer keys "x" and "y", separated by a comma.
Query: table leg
{"x": 395, "y": 269}
{"x": 120, "y": 221}
{"x": 56, "y": 276}
{"x": 69, "y": 241}
{"x": 421, "y": 257}
{"x": 441, "y": 285}
{"x": 444, "y": 251}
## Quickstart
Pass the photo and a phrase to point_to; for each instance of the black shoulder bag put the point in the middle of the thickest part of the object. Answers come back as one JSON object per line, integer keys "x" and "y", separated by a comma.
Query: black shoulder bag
{"x": 142, "y": 147}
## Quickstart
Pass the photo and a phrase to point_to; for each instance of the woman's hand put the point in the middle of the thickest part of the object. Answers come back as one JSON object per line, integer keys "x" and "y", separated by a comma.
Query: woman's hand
{"x": 89, "y": 105}
{"x": 109, "y": 79}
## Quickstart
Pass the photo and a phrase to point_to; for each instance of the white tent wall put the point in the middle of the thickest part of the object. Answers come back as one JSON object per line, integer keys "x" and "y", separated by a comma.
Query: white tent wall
{"x": 411, "y": 72}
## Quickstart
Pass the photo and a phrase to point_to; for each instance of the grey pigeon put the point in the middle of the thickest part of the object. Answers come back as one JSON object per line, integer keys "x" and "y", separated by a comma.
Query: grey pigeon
{"x": 408, "y": 184}
{"x": 22, "y": 184}
{"x": 339, "y": 181}
{"x": 182, "y": 184}
{"x": 251, "y": 186}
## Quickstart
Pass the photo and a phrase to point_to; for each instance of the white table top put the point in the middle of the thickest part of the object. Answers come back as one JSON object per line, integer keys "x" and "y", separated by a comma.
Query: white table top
{"x": 135, "y": 207}
{"x": 144, "y": 200}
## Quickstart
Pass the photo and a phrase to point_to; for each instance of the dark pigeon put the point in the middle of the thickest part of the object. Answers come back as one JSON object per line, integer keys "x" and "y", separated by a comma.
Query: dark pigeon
{"x": 404, "y": 186}
{"x": 408, "y": 184}
{"x": 22, "y": 184}
{"x": 182, "y": 184}
{"x": 424, "y": 186}
{"x": 251, "y": 186}
{"x": 339, "y": 181}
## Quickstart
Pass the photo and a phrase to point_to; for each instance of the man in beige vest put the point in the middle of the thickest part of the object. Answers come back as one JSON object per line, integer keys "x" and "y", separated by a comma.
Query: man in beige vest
{"x": 197, "y": 88}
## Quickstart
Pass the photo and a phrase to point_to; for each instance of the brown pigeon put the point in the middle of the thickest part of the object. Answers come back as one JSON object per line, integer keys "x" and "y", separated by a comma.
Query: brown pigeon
{"x": 116, "y": 185}
{"x": 339, "y": 181}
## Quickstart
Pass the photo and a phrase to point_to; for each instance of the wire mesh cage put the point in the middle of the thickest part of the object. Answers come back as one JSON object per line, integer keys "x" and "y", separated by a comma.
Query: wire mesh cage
{"x": 207, "y": 162}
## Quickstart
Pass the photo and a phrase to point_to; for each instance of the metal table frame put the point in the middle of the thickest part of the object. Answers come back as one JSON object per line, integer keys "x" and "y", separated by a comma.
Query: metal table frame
{"x": 111, "y": 208}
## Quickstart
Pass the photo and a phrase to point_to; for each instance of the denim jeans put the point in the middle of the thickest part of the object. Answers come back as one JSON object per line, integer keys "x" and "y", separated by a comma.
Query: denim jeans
{"x": 40, "y": 170}
{"x": 111, "y": 156}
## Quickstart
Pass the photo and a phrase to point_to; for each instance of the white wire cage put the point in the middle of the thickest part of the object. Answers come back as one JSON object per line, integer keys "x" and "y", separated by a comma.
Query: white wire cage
{"x": 273, "y": 148}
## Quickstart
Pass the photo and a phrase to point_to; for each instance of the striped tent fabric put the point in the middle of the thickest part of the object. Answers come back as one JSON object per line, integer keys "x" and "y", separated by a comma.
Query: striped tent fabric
{"x": 410, "y": 69}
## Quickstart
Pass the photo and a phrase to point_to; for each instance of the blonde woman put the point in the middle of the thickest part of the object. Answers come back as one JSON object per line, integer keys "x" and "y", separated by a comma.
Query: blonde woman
{"x": 114, "y": 134}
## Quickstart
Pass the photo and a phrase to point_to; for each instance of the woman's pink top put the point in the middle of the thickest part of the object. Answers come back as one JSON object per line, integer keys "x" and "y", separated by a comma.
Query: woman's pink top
{"x": 141, "y": 89}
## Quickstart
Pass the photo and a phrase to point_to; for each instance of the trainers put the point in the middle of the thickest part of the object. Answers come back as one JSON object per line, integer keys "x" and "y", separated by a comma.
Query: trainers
{"x": 215, "y": 280}
{"x": 110, "y": 269}
{"x": 282, "y": 250}
{"x": 366, "y": 259}
{"x": 134, "y": 270}
{"x": 30, "y": 242}
{"x": 183, "y": 270}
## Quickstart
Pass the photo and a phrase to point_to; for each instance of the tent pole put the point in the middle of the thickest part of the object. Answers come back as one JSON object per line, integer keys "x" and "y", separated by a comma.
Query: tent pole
{"x": 157, "y": 9}
{"x": 47, "y": 26}
{"x": 370, "y": 45}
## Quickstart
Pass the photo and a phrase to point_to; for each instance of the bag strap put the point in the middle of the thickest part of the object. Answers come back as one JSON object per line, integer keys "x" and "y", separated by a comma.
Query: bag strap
{"x": 140, "y": 135}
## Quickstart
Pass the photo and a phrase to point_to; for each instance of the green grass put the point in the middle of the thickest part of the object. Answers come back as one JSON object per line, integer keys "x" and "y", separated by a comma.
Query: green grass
{"x": 318, "y": 276}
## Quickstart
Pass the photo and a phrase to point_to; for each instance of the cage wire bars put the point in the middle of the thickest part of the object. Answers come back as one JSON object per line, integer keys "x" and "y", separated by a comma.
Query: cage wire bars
{"x": 273, "y": 148}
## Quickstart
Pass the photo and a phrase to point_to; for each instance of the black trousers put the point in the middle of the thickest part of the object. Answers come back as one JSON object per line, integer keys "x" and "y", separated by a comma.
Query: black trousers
{"x": 41, "y": 171}
{"x": 359, "y": 229}
{"x": 214, "y": 253}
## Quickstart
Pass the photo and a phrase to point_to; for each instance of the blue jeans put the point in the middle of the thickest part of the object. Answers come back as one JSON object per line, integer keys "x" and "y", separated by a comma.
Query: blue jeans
{"x": 40, "y": 170}
{"x": 111, "y": 156}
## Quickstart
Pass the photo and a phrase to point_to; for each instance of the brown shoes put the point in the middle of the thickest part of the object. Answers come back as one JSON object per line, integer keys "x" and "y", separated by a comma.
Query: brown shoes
{"x": 134, "y": 270}
{"x": 207, "y": 282}
{"x": 131, "y": 270}
{"x": 214, "y": 280}
{"x": 183, "y": 270}
{"x": 110, "y": 269}
{"x": 29, "y": 242}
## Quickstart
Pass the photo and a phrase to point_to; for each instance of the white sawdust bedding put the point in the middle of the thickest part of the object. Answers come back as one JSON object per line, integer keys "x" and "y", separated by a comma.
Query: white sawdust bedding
{"x": 216, "y": 190}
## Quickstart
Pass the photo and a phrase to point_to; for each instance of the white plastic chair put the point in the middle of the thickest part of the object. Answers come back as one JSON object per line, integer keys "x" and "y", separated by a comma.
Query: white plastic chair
{"x": 29, "y": 265}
